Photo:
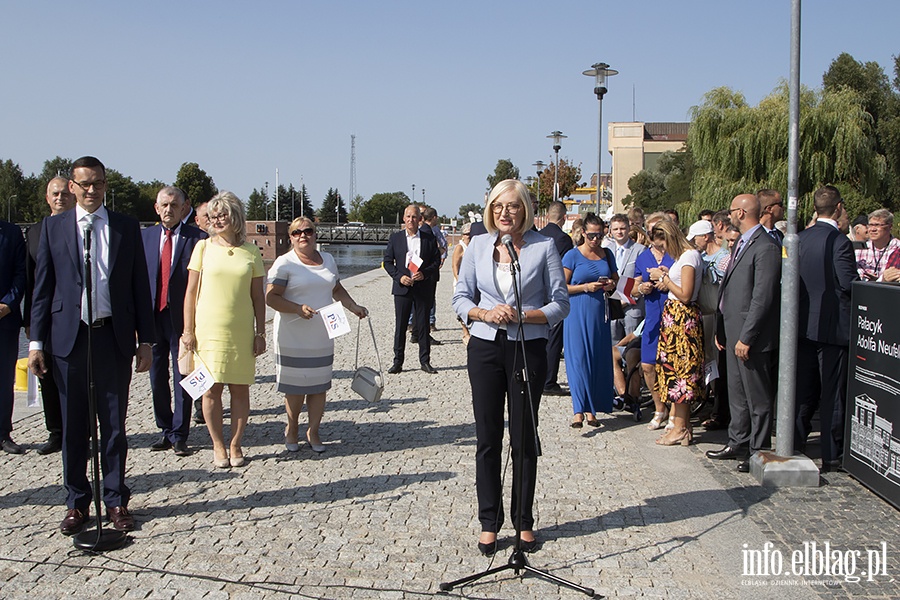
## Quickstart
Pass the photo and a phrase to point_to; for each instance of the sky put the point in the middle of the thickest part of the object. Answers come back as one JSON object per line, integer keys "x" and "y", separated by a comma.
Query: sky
{"x": 435, "y": 92}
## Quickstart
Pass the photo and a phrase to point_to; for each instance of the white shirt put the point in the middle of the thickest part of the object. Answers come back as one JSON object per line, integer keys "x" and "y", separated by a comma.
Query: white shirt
{"x": 103, "y": 306}
{"x": 162, "y": 240}
{"x": 413, "y": 246}
{"x": 691, "y": 258}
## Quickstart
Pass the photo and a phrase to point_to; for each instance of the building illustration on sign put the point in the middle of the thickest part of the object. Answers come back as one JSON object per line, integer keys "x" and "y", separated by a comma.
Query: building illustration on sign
{"x": 872, "y": 441}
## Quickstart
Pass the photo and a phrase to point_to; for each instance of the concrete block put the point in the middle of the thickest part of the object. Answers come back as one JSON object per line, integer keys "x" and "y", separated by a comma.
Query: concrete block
{"x": 769, "y": 469}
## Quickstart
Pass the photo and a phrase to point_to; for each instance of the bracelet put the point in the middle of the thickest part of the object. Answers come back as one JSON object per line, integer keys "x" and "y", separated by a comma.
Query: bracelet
{"x": 483, "y": 313}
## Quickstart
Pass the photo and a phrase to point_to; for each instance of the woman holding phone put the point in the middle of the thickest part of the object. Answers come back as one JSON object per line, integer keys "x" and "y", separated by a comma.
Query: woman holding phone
{"x": 590, "y": 271}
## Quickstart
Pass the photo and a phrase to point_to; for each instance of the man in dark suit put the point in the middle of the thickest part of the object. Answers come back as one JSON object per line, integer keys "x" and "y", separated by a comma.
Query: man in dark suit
{"x": 556, "y": 216}
{"x": 827, "y": 272}
{"x": 749, "y": 307}
{"x": 120, "y": 313}
{"x": 412, "y": 286}
{"x": 771, "y": 211}
{"x": 12, "y": 288}
{"x": 60, "y": 199}
{"x": 167, "y": 249}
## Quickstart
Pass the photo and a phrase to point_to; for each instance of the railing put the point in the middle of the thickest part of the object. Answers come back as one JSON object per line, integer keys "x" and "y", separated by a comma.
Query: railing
{"x": 353, "y": 233}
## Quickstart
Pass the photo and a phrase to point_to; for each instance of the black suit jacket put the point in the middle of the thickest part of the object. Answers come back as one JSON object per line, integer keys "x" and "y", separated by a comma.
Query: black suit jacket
{"x": 178, "y": 275}
{"x": 827, "y": 272}
{"x": 12, "y": 274}
{"x": 563, "y": 242}
{"x": 56, "y": 304}
{"x": 395, "y": 261}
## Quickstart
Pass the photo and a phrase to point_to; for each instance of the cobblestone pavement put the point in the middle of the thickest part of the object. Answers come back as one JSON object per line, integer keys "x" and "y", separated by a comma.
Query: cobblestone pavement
{"x": 388, "y": 511}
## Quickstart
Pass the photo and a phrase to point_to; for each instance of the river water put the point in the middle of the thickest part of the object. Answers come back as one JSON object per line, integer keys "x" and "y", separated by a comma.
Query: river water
{"x": 353, "y": 259}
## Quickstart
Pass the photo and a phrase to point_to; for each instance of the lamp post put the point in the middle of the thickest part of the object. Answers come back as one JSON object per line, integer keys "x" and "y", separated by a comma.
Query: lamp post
{"x": 414, "y": 193}
{"x": 9, "y": 207}
{"x": 600, "y": 71}
{"x": 556, "y": 136}
{"x": 539, "y": 165}
{"x": 267, "y": 201}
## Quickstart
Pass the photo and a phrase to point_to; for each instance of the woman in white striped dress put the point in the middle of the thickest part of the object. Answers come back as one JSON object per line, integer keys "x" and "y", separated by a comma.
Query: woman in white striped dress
{"x": 301, "y": 282}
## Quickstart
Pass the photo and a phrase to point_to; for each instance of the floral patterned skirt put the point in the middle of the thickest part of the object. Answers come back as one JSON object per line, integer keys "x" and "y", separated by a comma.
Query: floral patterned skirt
{"x": 679, "y": 359}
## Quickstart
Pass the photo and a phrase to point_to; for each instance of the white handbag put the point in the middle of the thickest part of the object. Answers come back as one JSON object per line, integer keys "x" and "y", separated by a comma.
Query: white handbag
{"x": 367, "y": 382}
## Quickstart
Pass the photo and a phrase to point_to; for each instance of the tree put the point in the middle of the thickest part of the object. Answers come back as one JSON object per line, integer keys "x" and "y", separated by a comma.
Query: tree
{"x": 738, "y": 149}
{"x": 333, "y": 207}
{"x": 147, "y": 192}
{"x": 122, "y": 194}
{"x": 505, "y": 169}
{"x": 465, "y": 209}
{"x": 666, "y": 186}
{"x": 568, "y": 181}
{"x": 386, "y": 207}
{"x": 198, "y": 186}
{"x": 56, "y": 166}
{"x": 256, "y": 205}
{"x": 356, "y": 205}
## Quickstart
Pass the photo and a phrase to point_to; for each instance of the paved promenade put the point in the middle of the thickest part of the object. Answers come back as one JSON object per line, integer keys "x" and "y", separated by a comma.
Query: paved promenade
{"x": 388, "y": 511}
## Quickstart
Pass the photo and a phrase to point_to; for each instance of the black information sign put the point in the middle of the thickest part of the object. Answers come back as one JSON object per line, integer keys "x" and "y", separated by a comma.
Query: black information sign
{"x": 872, "y": 434}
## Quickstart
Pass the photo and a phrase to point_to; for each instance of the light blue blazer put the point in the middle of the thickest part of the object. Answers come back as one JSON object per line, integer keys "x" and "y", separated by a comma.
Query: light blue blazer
{"x": 541, "y": 280}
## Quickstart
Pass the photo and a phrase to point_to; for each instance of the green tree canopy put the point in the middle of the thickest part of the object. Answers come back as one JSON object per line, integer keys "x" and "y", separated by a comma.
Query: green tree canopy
{"x": 256, "y": 205}
{"x": 505, "y": 169}
{"x": 332, "y": 207}
{"x": 472, "y": 206}
{"x": 196, "y": 183}
{"x": 737, "y": 148}
{"x": 568, "y": 181}
{"x": 668, "y": 185}
{"x": 386, "y": 207}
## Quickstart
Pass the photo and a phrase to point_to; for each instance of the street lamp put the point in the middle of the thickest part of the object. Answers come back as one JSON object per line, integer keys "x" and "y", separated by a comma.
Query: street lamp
{"x": 414, "y": 193}
{"x": 539, "y": 165}
{"x": 556, "y": 136}
{"x": 9, "y": 207}
{"x": 600, "y": 71}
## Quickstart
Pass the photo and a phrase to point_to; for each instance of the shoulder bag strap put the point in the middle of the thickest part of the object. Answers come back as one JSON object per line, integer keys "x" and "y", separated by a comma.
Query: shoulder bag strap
{"x": 374, "y": 345}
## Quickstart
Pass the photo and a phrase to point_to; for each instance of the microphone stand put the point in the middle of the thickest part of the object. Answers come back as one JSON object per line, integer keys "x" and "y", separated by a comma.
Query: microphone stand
{"x": 101, "y": 541}
{"x": 517, "y": 561}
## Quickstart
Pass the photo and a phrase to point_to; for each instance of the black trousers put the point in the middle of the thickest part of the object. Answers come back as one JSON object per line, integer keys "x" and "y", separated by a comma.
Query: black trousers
{"x": 421, "y": 295}
{"x": 554, "y": 351}
{"x": 494, "y": 373}
{"x": 822, "y": 385}
{"x": 112, "y": 378}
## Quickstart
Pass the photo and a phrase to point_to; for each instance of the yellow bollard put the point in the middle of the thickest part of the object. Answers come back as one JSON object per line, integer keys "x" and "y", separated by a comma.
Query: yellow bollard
{"x": 22, "y": 375}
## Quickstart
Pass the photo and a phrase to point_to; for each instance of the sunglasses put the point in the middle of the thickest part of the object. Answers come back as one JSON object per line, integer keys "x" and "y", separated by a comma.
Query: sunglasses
{"x": 593, "y": 235}
{"x": 309, "y": 232}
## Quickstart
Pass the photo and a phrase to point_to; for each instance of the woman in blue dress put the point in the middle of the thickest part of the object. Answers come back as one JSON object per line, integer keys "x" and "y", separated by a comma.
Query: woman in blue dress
{"x": 590, "y": 271}
{"x": 653, "y": 257}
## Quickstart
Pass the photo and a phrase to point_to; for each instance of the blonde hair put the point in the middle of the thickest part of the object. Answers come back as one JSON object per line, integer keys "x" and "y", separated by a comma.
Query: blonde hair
{"x": 522, "y": 195}
{"x": 295, "y": 224}
{"x": 676, "y": 243}
{"x": 231, "y": 205}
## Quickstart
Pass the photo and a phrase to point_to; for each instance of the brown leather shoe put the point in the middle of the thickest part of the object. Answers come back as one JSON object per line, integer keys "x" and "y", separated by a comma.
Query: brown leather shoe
{"x": 74, "y": 522}
{"x": 120, "y": 518}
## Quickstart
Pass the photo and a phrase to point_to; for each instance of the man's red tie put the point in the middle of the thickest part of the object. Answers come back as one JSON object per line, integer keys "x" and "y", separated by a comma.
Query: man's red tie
{"x": 165, "y": 268}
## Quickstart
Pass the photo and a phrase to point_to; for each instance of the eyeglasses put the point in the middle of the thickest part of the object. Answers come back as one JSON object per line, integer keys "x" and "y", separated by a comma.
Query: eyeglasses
{"x": 308, "y": 232}
{"x": 877, "y": 225}
{"x": 512, "y": 209}
{"x": 87, "y": 185}
{"x": 593, "y": 235}
{"x": 731, "y": 210}
{"x": 223, "y": 216}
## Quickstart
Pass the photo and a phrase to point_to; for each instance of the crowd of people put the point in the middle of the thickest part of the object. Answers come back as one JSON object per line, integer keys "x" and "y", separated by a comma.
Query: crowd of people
{"x": 697, "y": 307}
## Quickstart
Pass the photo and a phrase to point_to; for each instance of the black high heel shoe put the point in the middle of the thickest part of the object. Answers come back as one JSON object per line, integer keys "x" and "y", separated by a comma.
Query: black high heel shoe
{"x": 488, "y": 549}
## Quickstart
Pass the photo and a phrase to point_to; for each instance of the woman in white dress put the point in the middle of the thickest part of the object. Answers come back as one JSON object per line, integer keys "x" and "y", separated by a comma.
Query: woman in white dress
{"x": 301, "y": 282}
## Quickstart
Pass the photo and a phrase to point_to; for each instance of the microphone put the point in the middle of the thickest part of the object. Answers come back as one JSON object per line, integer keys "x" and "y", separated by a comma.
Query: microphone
{"x": 507, "y": 241}
{"x": 87, "y": 227}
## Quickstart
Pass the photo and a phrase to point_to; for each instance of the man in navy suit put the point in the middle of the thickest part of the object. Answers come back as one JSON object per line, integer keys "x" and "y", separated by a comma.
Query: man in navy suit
{"x": 167, "y": 249}
{"x": 60, "y": 199}
{"x": 12, "y": 288}
{"x": 827, "y": 272}
{"x": 556, "y": 216}
{"x": 405, "y": 247}
{"x": 120, "y": 314}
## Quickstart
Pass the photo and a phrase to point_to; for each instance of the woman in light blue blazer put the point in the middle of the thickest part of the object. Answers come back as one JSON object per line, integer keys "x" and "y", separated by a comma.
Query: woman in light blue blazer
{"x": 485, "y": 299}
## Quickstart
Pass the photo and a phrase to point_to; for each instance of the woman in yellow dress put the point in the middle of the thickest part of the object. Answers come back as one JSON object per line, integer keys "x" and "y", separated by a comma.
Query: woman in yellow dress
{"x": 224, "y": 299}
